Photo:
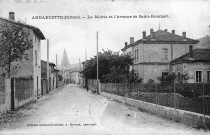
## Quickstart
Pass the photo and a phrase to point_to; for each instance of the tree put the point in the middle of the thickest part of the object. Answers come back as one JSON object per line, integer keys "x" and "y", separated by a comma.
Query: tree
{"x": 113, "y": 67}
{"x": 170, "y": 78}
{"x": 14, "y": 42}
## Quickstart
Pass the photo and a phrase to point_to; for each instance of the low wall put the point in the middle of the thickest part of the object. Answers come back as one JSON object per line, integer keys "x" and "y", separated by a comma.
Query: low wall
{"x": 186, "y": 117}
{"x": 23, "y": 102}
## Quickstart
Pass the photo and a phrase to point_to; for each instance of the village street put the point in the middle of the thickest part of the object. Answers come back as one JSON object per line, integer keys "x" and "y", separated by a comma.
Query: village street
{"x": 73, "y": 110}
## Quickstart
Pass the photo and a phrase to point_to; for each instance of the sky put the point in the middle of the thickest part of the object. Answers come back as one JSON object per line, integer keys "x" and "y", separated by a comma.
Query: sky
{"x": 74, "y": 35}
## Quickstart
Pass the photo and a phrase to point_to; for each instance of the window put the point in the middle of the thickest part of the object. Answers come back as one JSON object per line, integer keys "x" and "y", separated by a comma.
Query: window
{"x": 165, "y": 53}
{"x": 198, "y": 76}
{"x": 208, "y": 76}
{"x": 36, "y": 59}
{"x": 136, "y": 54}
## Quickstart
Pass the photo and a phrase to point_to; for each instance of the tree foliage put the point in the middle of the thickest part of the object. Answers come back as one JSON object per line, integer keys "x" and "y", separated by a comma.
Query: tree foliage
{"x": 113, "y": 67}
{"x": 170, "y": 78}
{"x": 14, "y": 42}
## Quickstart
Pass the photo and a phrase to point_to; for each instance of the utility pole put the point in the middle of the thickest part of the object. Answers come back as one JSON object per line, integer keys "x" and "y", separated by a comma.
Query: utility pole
{"x": 48, "y": 76}
{"x": 79, "y": 71}
{"x": 85, "y": 53}
{"x": 97, "y": 64}
{"x": 56, "y": 61}
{"x": 79, "y": 64}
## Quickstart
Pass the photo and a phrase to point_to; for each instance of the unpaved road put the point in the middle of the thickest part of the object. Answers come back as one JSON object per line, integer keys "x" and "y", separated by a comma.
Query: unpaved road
{"x": 73, "y": 110}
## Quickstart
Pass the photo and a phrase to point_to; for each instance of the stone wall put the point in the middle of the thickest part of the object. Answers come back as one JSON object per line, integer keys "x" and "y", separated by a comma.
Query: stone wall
{"x": 190, "y": 118}
{"x": 23, "y": 90}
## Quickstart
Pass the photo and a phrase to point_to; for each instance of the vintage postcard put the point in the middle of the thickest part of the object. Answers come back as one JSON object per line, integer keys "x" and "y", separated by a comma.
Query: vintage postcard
{"x": 106, "y": 67}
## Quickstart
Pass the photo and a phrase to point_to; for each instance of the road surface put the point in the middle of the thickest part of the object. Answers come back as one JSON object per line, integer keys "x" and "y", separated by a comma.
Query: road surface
{"x": 73, "y": 110}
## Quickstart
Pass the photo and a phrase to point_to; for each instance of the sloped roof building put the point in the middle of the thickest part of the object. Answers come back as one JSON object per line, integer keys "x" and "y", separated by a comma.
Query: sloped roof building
{"x": 153, "y": 53}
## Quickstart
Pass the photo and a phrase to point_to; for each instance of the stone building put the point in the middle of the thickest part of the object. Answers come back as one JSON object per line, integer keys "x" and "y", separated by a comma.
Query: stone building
{"x": 27, "y": 84}
{"x": 153, "y": 53}
{"x": 75, "y": 76}
{"x": 53, "y": 77}
{"x": 195, "y": 64}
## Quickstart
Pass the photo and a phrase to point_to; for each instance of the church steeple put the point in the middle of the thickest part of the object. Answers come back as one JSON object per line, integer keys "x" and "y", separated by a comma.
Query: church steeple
{"x": 65, "y": 61}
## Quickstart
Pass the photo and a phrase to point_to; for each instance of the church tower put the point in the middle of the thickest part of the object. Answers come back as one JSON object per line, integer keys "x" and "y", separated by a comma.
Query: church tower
{"x": 65, "y": 64}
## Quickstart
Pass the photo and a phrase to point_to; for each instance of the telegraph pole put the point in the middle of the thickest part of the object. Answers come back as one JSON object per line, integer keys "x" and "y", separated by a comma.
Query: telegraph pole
{"x": 85, "y": 53}
{"x": 79, "y": 64}
{"x": 56, "y": 61}
{"x": 48, "y": 76}
{"x": 97, "y": 64}
{"x": 79, "y": 72}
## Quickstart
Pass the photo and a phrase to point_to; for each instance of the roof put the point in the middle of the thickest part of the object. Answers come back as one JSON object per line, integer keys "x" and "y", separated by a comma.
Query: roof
{"x": 50, "y": 63}
{"x": 204, "y": 43}
{"x": 36, "y": 30}
{"x": 163, "y": 37}
{"x": 199, "y": 55}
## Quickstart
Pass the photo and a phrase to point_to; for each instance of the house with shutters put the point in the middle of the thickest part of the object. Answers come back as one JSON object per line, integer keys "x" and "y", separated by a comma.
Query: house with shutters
{"x": 153, "y": 53}
{"x": 26, "y": 84}
{"x": 195, "y": 64}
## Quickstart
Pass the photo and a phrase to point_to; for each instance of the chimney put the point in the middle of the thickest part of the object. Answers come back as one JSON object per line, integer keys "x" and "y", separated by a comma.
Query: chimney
{"x": 165, "y": 30}
{"x": 191, "y": 51}
{"x": 184, "y": 34}
{"x": 151, "y": 30}
{"x": 12, "y": 16}
{"x": 126, "y": 44}
{"x": 131, "y": 40}
{"x": 173, "y": 31}
{"x": 144, "y": 34}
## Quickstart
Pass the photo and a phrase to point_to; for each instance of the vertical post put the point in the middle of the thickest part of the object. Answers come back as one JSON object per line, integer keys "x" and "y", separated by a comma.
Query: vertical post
{"x": 156, "y": 93}
{"x": 97, "y": 63}
{"x": 174, "y": 93}
{"x": 56, "y": 61}
{"x": 85, "y": 53}
{"x": 48, "y": 66}
{"x": 79, "y": 71}
{"x": 204, "y": 119}
{"x": 79, "y": 64}
{"x": 12, "y": 93}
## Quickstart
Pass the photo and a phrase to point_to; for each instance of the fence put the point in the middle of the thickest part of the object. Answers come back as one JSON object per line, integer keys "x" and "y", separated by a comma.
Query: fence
{"x": 23, "y": 88}
{"x": 184, "y": 96}
{"x": 2, "y": 90}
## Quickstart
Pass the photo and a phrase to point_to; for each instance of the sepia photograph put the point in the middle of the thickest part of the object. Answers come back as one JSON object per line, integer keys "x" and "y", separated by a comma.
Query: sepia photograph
{"x": 104, "y": 67}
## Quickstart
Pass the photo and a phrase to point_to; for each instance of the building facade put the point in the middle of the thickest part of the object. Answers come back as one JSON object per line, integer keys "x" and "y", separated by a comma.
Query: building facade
{"x": 75, "y": 77}
{"x": 195, "y": 65}
{"x": 28, "y": 68}
{"x": 53, "y": 76}
{"x": 153, "y": 53}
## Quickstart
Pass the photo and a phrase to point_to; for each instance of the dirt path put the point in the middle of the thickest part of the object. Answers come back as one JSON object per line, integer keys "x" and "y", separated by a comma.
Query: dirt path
{"x": 73, "y": 110}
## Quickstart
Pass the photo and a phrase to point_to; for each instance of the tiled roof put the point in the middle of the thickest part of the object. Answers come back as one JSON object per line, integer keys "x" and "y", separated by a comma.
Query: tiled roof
{"x": 199, "y": 55}
{"x": 163, "y": 37}
{"x": 35, "y": 29}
